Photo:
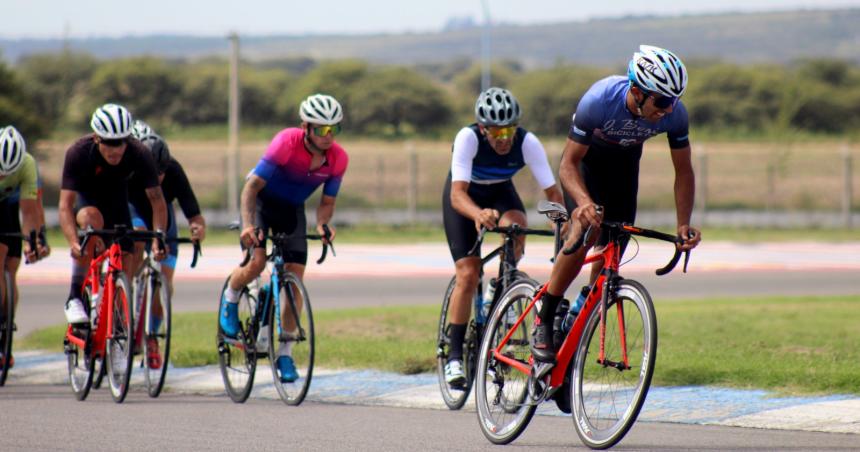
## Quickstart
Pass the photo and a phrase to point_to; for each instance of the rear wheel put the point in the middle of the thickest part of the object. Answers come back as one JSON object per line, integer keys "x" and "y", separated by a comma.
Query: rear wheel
{"x": 7, "y": 328}
{"x": 455, "y": 397}
{"x": 501, "y": 390}
{"x": 79, "y": 359}
{"x": 292, "y": 294}
{"x": 156, "y": 333}
{"x": 237, "y": 357}
{"x": 118, "y": 356}
{"x": 607, "y": 396}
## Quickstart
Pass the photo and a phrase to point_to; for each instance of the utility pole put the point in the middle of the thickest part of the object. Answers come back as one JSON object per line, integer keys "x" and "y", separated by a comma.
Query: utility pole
{"x": 233, "y": 137}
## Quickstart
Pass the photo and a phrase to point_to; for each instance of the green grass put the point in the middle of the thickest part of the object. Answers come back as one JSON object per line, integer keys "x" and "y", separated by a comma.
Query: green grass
{"x": 789, "y": 345}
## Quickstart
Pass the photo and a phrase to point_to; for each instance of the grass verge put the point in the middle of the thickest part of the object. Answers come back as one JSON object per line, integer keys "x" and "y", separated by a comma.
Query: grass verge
{"x": 788, "y": 345}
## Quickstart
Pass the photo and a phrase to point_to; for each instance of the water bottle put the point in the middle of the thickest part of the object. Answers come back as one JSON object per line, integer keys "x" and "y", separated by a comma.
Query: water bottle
{"x": 254, "y": 292}
{"x": 487, "y": 298}
{"x": 95, "y": 301}
{"x": 575, "y": 308}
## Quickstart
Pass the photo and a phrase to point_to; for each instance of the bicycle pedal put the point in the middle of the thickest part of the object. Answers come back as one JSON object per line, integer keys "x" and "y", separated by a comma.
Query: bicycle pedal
{"x": 541, "y": 370}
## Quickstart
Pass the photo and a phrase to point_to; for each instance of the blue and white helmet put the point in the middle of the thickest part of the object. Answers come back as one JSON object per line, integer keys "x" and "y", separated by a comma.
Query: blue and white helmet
{"x": 111, "y": 122}
{"x": 658, "y": 71}
{"x": 12, "y": 150}
{"x": 141, "y": 130}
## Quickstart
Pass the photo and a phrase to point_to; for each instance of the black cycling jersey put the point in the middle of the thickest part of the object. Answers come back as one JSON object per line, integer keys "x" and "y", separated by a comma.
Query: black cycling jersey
{"x": 175, "y": 186}
{"x": 489, "y": 165}
{"x": 9, "y": 222}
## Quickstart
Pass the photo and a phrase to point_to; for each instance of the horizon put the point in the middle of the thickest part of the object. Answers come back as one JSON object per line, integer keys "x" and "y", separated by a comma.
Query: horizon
{"x": 450, "y": 15}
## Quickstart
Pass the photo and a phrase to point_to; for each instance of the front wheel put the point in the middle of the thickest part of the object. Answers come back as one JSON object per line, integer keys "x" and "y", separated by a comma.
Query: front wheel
{"x": 7, "y": 328}
{"x": 237, "y": 356}
{"x": 156, "y": 333}
{"x": 291, "y": 338}
{"x": 455, "y": 397}
{"x": 79, "y": 359}
{"x": 608, "y": 394}
{"x": 118, "y": 357}
{"x": 501, "y": 389}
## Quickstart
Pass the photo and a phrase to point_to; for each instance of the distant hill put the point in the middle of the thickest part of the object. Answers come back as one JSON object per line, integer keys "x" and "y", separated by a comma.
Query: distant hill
{"x": 778, "y": 37}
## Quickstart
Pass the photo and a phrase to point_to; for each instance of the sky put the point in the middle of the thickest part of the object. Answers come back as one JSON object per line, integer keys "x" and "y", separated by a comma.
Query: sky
{"x": 106, "y": 18}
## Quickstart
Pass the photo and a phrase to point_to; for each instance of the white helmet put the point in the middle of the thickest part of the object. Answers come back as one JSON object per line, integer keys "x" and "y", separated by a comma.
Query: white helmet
{"x": 111, "y": 122}
{"x": 321, "y": 109}
{"x": 497, "y": 107}
{"x": 658, "y": 71}
{"x": 141, "y": 130}
{"x": 12, "y": 150}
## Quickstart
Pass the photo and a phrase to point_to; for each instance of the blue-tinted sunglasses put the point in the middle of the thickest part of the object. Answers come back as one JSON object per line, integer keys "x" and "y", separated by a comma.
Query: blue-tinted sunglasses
{"x": 664, "y": 102}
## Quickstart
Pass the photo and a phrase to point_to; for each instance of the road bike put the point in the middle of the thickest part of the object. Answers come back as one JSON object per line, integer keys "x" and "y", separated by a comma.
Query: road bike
{"x": 109, "y": 335}
{"x": 604, "y": 365}
{"x": 455, "y": 397}
{"x": 153, "y": 307}
{"x": 261, "y": 329}
{"x": 7, "y": 310}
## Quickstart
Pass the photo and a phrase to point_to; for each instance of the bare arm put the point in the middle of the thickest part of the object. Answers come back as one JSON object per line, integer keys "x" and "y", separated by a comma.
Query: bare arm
{"x": 67, "y": 219}
{"x": 685, "y": 191}
{"x": 197, "y": 224}
{"x": 574, "y": 184}
{"x": 31, "y": 217}
{"x": 159, "y": 217}
{"x": 252, "y": 188}
{"x": 325, "y": 211}
{"x": 464, "y": 205}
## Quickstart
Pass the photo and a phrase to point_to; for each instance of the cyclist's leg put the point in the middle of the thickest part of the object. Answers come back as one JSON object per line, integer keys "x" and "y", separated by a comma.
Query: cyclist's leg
{"x": 12, "y": 265}
{"x": 88, "y": 215}
{"x": 4, "y": 249}
{"x": 295, "y": 260}
{"x": 507, "y": 201}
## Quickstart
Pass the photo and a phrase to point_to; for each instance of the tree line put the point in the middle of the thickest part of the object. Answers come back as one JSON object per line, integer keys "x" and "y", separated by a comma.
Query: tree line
{"x": 42, "y": 93}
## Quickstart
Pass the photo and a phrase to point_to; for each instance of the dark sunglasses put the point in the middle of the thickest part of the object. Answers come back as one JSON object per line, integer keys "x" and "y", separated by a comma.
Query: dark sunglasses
{"x": 112, "y": 143}
{"x": 664, "y": 102}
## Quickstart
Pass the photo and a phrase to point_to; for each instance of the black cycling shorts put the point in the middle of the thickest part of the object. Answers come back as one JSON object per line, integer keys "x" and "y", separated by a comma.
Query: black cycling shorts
{"x": 276, "y": 218}
{"x": 114, "y": 212}
{"x": 612, "y": 180}
{"x": 459, "y": 230}
{"x": 10, "y": 222}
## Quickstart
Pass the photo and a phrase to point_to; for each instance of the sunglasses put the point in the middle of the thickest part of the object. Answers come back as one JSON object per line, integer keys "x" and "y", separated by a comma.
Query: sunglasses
{"x": 112, "y": 143}
{"x": 322, "y": 131}
{"x": 664, "y": 102}
{"x": 501, "y": 133}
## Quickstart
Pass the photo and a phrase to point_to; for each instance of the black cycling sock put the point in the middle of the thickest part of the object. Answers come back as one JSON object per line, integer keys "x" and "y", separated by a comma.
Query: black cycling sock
{"x": 549, "y": 303}
{"x": 456, "y": 336}
{"x": 78, "y": 274}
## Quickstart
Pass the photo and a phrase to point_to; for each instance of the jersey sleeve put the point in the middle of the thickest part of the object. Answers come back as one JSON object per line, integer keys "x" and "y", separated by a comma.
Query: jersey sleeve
{"x": 29, "y": 178}
{"x": 464, "y": 152}
{"x": 184, "y": 192}
{"x": 587, "y": 118}
{"x": 534, "y": 155}
{"x": 332, "y": 184}
{"x": 679, "y": 128}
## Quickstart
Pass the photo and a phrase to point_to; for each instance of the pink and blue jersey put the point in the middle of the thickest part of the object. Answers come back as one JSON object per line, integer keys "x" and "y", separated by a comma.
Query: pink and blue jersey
{"x": 286, "y": 168}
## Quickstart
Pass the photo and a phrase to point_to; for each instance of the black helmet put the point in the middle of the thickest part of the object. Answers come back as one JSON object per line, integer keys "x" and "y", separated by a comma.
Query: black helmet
{"x": 159, "y": 149}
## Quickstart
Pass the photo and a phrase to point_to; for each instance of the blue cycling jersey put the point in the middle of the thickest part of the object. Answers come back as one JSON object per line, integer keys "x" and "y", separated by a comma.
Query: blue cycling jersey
{"x": 602, "y": 117}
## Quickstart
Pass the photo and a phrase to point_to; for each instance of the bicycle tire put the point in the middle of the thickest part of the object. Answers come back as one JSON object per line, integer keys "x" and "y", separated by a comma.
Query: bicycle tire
{"x": 237, "y": 358}
{"x": 7, "y": 329}
{"x": 454, "y": 398}
{"x": 80, "y": 361}
{"x": 120, "y": 342}
{"x": 500, "y": 390}
{"x": 605, "y": 399}
{"x": 156, "y": 333}
{"x": 99, "y": 373}
{"x": 303, "y": 340}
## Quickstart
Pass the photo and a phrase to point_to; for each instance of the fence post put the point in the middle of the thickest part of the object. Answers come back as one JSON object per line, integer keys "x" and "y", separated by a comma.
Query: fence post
{"x": 702, "y": 186}
{"x": 412, "y": 192}
{"x": 380, "y": 181}
{"x": 771, "y": 188}
{"x": 847, "y": 186}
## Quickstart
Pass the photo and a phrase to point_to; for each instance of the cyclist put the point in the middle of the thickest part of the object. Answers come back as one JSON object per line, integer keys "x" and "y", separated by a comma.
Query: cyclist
{"x": 19, "y": 188}
{"x": 479, "y": 192}
{"x": 175, "y": 186}
{"x": 297, "y": 161}
{"x": 600, "y": 165}
{"x": 94, "y": 192}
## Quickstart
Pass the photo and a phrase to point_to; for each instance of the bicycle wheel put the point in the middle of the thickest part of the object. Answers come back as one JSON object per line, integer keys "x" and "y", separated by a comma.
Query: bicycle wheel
{"x": 79, "y": 360}
{"x": 99, "y": 373}
{"x": 118, "y": 355}
{"x": 156, "y": 333}
{"x": 501, "y": 390}
{"x": 292, "y": 293}
{"x": 7, "y": 328}
{"x": 607, "y": 397}
{"x": 237, "y": 357}
{"x": 455, "y": 398}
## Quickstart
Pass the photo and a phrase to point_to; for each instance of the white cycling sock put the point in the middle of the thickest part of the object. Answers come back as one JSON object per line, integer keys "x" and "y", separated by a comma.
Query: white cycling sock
{"x": 232, "y": 296}
{"x": 285, "y": 349}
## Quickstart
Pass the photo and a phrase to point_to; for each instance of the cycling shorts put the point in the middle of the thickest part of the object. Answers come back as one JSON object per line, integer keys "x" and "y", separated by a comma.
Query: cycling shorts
{"x": 459, "y": 230}
{"x": 171, "y": 233}
{"x": 10, "y": 222}
{"x": 276, "y": 218}
{"x": 114, "y": 212}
